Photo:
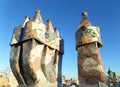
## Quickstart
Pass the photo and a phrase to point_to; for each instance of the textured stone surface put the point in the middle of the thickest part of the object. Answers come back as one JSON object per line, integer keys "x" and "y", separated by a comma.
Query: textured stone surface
{"x": 36, "y": 53}
{"x": 90, "y": 66}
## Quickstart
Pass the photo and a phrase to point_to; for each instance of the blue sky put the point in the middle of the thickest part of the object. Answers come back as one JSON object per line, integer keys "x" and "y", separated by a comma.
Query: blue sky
{"x": 66, "y": 15}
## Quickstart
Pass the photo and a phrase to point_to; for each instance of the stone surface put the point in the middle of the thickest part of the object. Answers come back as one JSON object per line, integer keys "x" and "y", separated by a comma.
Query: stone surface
{"x": 36, "y": 53}
{"x": 90, "y": 66}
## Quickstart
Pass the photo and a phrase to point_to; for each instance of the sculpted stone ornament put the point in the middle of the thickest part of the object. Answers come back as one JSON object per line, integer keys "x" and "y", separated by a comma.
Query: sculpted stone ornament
{"x": 36, "y": 53}
{"x": 90, "y": 66}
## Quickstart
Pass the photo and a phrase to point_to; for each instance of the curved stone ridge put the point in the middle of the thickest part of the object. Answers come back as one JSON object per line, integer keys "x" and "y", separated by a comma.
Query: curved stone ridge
{"x": 90, "y": 66}
{"x": 36, "y": 53}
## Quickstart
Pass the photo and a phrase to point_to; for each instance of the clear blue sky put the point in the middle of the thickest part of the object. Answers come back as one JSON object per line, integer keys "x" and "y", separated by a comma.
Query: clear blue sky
{"x": 66, "y": 15}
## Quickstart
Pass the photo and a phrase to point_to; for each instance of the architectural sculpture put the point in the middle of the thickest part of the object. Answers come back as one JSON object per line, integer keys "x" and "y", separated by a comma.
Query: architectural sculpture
{"x": 36, "y": 53}
{"x": 90, "y": 65}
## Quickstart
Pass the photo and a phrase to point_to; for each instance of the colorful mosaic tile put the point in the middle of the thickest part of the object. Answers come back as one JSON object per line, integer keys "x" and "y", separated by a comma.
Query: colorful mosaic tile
{"x": 36, "y": 53}
{"x": 90, "y": 66}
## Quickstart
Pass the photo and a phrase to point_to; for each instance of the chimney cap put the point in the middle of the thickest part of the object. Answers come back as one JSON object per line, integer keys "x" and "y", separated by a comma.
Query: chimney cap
{"x": 37, "y": 11}
{"x": 85, "y": 13}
